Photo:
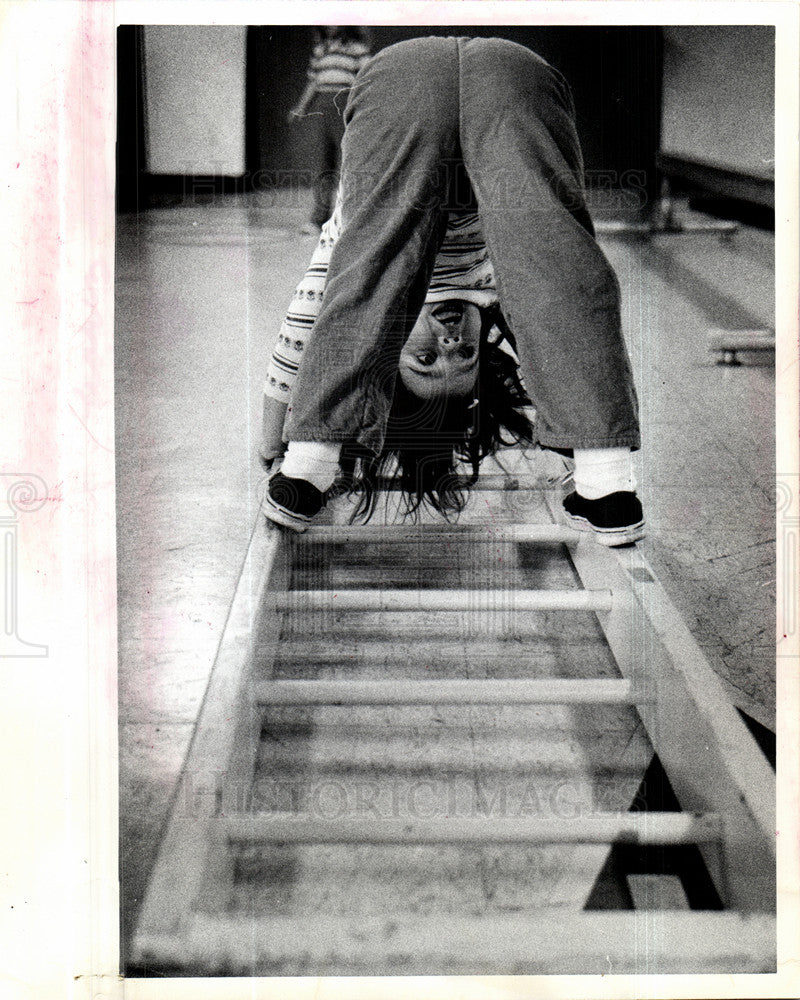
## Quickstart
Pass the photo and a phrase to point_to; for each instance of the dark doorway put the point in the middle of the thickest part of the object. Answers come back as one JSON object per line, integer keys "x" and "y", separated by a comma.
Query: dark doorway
{"x": 131, "y": 159}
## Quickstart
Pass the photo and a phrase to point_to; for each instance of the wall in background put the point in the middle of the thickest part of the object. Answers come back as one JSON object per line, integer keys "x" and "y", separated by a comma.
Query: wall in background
{"x": 195, "y": 99}
{"x": 719, "y": 95}
{"x": 215, "y": 98}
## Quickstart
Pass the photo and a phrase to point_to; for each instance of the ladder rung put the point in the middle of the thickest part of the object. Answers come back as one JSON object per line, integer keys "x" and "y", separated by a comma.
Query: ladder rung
{"x": 399, "y": 533}
{"x": 741, "y": 340}
{"x": 490, "y": 481}
{"x": 600, "y": 828}
{"x": 554, "y": 691}
{"x": 444, "y": 600}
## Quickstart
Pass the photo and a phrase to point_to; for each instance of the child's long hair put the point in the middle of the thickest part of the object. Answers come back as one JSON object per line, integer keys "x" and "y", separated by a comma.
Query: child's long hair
{"x": 425, "y": 439}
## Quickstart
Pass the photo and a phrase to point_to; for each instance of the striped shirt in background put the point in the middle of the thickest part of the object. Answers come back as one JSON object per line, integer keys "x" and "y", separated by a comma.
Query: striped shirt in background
{"x": 334, "y": 63}
{"x": 462, "y": 271}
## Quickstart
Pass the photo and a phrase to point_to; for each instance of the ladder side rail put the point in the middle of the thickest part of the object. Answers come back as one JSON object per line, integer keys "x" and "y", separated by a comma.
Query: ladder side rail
{"x": 711, "y": 759}
{"x": 193, "y": 867}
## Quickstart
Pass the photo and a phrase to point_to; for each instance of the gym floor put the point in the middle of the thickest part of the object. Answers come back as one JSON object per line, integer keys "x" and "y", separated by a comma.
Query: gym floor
{"x": 201, "y": 291}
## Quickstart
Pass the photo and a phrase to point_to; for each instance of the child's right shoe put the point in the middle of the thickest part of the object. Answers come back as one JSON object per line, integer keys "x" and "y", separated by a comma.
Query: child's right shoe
{"x": 292, "y": 503}
{"x": 616, "y": 519}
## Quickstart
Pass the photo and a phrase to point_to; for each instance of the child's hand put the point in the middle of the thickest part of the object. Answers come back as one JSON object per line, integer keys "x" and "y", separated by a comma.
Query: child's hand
{"x": 269, "y": 464}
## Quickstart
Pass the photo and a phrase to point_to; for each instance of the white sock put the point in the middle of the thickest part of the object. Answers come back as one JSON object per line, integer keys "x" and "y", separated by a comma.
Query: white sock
{"x": 600, "y": 471}
{"x": 315, "y": 461}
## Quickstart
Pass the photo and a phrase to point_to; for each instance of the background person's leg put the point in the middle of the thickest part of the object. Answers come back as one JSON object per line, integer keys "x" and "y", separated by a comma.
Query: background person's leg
{"x": 330, "y": 108}
{"x": 401, "y": 124}
{"x": 556, "y": 289}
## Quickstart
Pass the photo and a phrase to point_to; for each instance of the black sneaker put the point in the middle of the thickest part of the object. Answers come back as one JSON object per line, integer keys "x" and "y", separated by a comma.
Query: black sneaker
{"x": 615, "y": 519}
{"x": 292, "y": 502}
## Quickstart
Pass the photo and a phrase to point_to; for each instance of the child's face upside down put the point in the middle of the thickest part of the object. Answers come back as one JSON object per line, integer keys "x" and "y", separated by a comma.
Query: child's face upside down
{"x": 440, "y": 357}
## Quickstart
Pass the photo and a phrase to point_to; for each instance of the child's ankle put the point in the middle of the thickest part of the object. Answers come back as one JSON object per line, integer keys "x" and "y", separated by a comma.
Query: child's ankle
{"x": 602, "y": 471}
{"x": 317, "y": 462}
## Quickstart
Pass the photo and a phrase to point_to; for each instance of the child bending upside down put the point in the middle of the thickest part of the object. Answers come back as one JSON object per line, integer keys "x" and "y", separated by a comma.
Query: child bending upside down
{"x": 459, "y": 350}
{"x": 460, "y": 241}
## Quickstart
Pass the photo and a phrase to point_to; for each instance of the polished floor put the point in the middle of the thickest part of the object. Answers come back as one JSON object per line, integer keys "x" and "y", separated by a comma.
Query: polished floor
{"x": 200, "y": 294}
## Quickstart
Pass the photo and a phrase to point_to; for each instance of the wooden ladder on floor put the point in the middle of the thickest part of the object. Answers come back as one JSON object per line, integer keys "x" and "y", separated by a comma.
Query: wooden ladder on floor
{"x": 724, "y": 785}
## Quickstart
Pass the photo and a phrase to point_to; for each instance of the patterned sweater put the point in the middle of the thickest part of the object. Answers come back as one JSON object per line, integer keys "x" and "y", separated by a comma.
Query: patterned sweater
{"x": 334, "y": 63}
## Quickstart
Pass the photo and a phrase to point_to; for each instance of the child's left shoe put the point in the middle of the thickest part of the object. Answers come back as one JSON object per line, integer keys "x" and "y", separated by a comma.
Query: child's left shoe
{"x": 616, "y": 519}
{"x": 292, "y": 503}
